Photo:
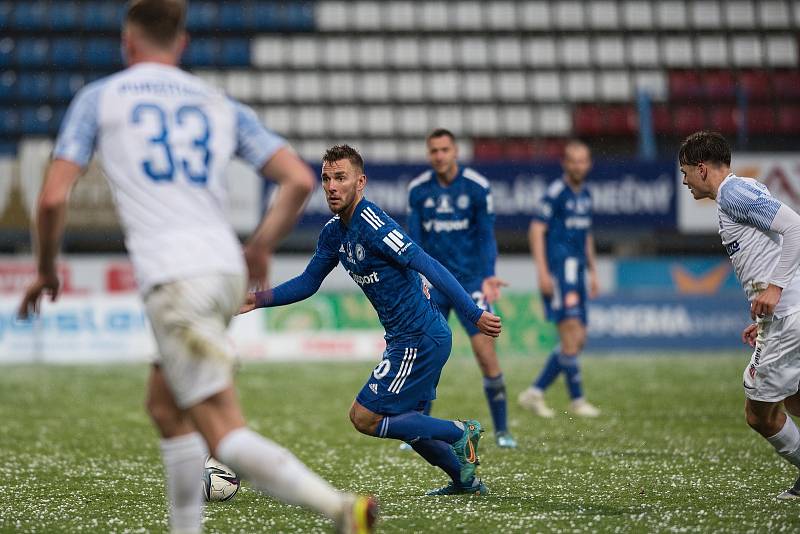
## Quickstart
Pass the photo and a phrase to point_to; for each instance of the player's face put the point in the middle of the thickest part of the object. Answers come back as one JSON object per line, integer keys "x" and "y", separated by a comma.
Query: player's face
{"x": 694, "y": 179}
{"x": 342, "y": 183}
{"x": 442, "y": 154}
{"x": 576, "y": 163}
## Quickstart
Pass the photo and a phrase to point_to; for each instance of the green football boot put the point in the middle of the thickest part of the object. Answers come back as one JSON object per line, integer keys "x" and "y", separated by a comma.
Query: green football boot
{"x": 466, "y": 449}
{"x": 477, "y": 487}
{"x": 505, "y": 440}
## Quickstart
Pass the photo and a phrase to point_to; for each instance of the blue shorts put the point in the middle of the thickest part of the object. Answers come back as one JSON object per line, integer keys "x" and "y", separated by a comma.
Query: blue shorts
{"x": 407, "y": 376}
{"x": 569, "y": 293}
{"x": 474, "y": 290}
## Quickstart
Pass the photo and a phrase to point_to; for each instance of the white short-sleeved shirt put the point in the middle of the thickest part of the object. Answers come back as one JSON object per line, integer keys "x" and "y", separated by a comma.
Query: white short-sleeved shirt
{"x": 746, "y": 211}
{"x": 164, "y": 138}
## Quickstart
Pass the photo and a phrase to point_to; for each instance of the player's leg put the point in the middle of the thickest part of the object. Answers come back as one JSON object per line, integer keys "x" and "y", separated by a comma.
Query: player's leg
{"x": 533, "y": 397}
{"x": 494, "y": 387}
{"x": 792, "y": 404}
{"x": 573, "y": 338}
{"x": 183, "y": 451}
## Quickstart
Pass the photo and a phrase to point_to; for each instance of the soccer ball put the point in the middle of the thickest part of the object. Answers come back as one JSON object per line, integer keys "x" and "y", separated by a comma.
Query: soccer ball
{"x": 220, "y": 483}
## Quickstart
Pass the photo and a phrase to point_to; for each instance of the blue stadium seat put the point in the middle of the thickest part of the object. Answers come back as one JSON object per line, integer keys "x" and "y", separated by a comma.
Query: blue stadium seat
{"x": 8, "y": 85}
{"x": 202, "y": 16}
{"x": 65, "y": 85}
{"x": 7, "y": 48}
{"x": 36, "y": 120}
{"x": 102, "y": 15}
{"x": 33, "y": 52}
{"x": 232, "y": 16}
{"x": 102, "y": 52}
{"x": 265, "y": 16}
{"x": 9, "y": 121}
{"x": 299, "y": 16}
{"x": 66, "y": 51}
{"x": 64, "y": 15}
{"x": 6, "y": 11}
{"x": 58, "y": 116}
{"x": 33, "y": 87}
{"x": 235, "y": 52}
{"x": 201, "y": 53}
{"x": 30, "y": 15}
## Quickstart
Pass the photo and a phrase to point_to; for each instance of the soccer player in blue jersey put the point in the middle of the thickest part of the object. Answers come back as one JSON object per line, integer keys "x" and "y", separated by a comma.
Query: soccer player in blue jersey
{"x": 386, "y": 264}
{"x": 450, "y": 215}
{"x": 563, "y": 250}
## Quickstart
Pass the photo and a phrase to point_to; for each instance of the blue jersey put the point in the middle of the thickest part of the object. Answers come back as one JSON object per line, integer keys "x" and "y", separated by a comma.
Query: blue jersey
{"x": 568, "y": 216}
{"x": 455, "y": 223}
{"x": 376, "y": 252}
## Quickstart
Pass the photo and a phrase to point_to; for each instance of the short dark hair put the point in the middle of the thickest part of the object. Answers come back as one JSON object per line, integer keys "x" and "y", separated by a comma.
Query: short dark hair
{"x": 575, "y": 142}
{"x": 340, "y": 152}
{"x": 441, "y": 132}
{"x": 161, "y": 21}
{"x": 705, "y": 146}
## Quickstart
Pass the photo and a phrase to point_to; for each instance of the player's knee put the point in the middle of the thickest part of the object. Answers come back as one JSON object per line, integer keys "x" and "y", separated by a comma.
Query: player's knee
{"x": 765, "y": 422}
{"x": 164, "y": 416}
{"x": 361, "y": 421}
{"x": 792, "y": 404}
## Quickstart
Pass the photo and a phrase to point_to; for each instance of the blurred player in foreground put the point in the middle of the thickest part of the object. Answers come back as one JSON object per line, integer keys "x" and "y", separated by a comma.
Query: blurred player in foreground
{"x": 762, "y": 238}
{"x": 165, "y": 139}
{"x": 452, "y": 219}
{"x": 386, "y": 265}
{"x": 563, "y": 249}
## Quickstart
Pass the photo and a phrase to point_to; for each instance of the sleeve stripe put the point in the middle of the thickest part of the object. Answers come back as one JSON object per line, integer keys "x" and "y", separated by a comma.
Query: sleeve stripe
{"x": 397, "y": 237}
{"x": 370, "y": 221}
{"x": 391, "y": 244}
{"x": 373, "y": 214}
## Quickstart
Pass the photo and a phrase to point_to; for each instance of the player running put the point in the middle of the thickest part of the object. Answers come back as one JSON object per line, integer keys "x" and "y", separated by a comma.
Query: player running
{"x": 385, "y": 263}
{"x": 451, "y": 217}
{"x": 165, "y": 139}
{"x": 762, "y": 238}
{"x": 563, "y": 249}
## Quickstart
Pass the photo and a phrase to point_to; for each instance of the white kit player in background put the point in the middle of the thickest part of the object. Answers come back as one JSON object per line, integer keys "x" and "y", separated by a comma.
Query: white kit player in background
{"x": 165, "y": 139}
{"x": 762, "y": 238}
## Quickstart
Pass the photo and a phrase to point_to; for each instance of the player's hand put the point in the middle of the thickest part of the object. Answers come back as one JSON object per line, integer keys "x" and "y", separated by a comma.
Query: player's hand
{"x": 750, "y": 334}
{"x": 594, "y": 284}
{"x": 546, "y": 284}
{"x": 491, "y": 288}
{"x": 764, "y": 303}
{"x": 489, "y": 324}
{"x": 249, "y": 304}
{"x": 44, "y": 283}
{"x": 257, "y": 259}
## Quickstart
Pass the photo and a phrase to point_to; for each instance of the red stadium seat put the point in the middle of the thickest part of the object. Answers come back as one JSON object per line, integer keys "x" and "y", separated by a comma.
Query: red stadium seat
{"x": 488, "y": 150}
{"x": 685, "y": 85}
{"x": 787, "y": 84}
{"x": 689, "y": 119}
{"x": 719, "y": 85}
{"x": 620, "y": 120}
{"x": 519, "y": 150}
{"x": 662, "y": 120}
{"x": 756, "y": 84}
{"x": 724, "y": 119}
{"x": 761, "y": 120}
{"x": 789, "y": 120}
{"x": 587, "y": 120}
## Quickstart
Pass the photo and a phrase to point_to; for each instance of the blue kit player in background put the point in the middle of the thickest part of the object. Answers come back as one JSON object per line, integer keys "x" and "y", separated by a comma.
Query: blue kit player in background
{"x": 386, "y": 264}
{"x": 563, "y": 250}
{"x": 451, "y": 217}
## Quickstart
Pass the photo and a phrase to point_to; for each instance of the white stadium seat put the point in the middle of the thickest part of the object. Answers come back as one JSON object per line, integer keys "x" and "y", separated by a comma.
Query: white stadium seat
{"x": 706, "y": 14}
{"x": 268, "y": 51}
{"x": 408, "y": 86}
{"x": 796, "y": 10}
{"x": 545, "y": 86}
{"x": 274, "y": 87}
{"x": 400, "y": 15}
{"x": 569, "y": 15}
{"x": 278, "y": 119}
{"x": 310, "y": 120}
{"x": 654, "y": 83}
{"x": 413, "y": 120}
{"x": 306, "y": 86}
{"x": 373, "y": 86}
{"x": 379, "y": 120}
{"x": 439, "y": 52}
{"x": 303, "y": 52}
{"x": 404, "y": 52}
{"x": 468, "y": 15}
{"x": 477, "y": 86}
{"x": 510, "y": 86}
{"x": 615, "y": 86}
{"x": 740, "y": 14}
{"x": 534, "y": 16}
{"x": 574, "y": 51}
{"x": 340, "y": 86}
{"x": 554, "y": 120}
{"x": 370, "y": 52}
{"x": 747, "y": 51}
{"x": 540, "y": 52}
{"x": 345, "y": 120}
{"x": 312, "y": 149}
{"x": 434, "y": 16}
{"x": 450, "y": 117}
{"x": 517, "y": 120}
{"x": 367, "y": 16}
{"x": 241, "y": 85}
{"x": 415, "y": 150}
{"x": 474, "y": 52}
{"x": 580, "y": 86}
{"x": 483, "y": 120}
{"x": 332, "y": 15}
{"x": 214, "y": 78}
{"x": 782, "y": 50}
{"x": 337, "y": 52}
{"x": 637, "y": 15}
{"x": 383, "y": 150}
{"x": 774, "y": 14}
{"x": 603, "y": 15}
{"x": 643, "y": 51}
{"x": 609, "y": 51}
{"x": 444, "y": 86}
{"x": 712, "y": 51}
{"x": 501, "y": 15}
{"x": 671, "y": 15}
{"x": 678, "y": 51}
{"x": 507, "y": 52}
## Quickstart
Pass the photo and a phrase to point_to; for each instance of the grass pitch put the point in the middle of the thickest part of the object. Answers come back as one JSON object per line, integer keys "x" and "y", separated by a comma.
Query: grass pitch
{"x": 670, "y": 453}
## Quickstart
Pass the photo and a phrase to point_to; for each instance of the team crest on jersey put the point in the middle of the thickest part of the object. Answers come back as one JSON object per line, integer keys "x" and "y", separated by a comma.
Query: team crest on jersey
{"x": 445, "y": 204}
{"x": 350, "y": 253}
{"x": 429, "y": 203}
{"x": 462, "y": 202}
{"x": 360, "y": 252}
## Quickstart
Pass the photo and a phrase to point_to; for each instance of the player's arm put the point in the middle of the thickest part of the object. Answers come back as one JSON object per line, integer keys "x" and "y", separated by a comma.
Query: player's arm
{"x": 536, "y": 241}
{"x": 591, "y": 265}
{"x": 488, "y": 248}
{"x": 269, "y": 154}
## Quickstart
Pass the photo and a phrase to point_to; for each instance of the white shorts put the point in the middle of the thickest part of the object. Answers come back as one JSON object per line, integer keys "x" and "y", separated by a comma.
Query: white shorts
{"x": 190, "y": 320}
{"x": 774, "y": 369}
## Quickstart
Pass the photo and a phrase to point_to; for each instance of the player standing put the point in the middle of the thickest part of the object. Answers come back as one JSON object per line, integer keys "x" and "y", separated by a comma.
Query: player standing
{"x": 762, "y": 238}
{"x": 451, "y": 217}
{"x": 563, "y": 249}
{"x": 165, "y": 139}
{"x": 386, "y": 264}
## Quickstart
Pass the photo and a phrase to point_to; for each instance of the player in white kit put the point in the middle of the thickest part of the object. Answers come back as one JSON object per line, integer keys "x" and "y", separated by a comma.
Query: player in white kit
{"x": 762, "y": 238}
{"x": 165, "y": 139}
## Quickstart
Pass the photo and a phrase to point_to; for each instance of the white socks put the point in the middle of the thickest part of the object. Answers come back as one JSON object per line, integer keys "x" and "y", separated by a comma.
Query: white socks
{"x": 275, "y": 471}
{"x": 787, "y": 442}
{"x": 184, "y": 458}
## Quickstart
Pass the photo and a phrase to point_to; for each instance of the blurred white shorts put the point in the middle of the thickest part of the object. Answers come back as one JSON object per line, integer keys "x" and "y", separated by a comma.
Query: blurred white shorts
{"x": 774, "y": 369}
{"x": 190, "y": 320}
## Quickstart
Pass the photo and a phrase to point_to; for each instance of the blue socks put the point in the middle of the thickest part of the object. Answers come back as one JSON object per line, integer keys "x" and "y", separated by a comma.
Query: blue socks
{"x": 495, "y": 390}
{"x": 413, "y": 426}
{"x": 572, "y": 374}
{"x": 549, "y": 373}
{"x": 441, "y": 455}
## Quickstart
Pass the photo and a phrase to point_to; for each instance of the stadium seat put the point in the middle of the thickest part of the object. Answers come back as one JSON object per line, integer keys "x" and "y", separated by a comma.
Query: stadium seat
{"x": 678, "y": 52}
{"x": 274, "y": 87}
{"x": 231, "y": 16}
{"x": 483, "y": 120}
{"x": 603, "y": 15}
{"x": 373, "y": 87}
{"x": 719, "y": 85}
{"x": 574, "y": 52}
{"x": 468, "y": 16}
{"x": 782, "y": 51}
{"x": 277, "y": 118}
{"x": 6, "y": 13}
{"x": 615, "y": 86}
{"x": 786, "y": 84}
{"x": 367, "y": 16}
{"x": 370, "y": 52}
{"x": 66, "y": 52}
{"x": 399, "y": 15}
{"x": 310, "y": 120}
{"x": 517, "y": 120}
{"x": 434, "y": 15}
{"x": 450, "y": 117}
{"x": 240, "y": 85}
{"x": 506, "y": 52}
{"x": 544, "y": 86}
{"x": 408, "y": 87}
{"x": 7, "y": 51}
{"x": 379, "y": 121}
{"x": 588, "y": 120}
{"x": 643, "y": 51}
{"x": 201, "y": 52}
{"x": 474, "y": 52}
{"x": 511, "y": 86}
{"x": 620, "y": 120}
{"x": 30, "y": 15}
{"x": 37, "y": 121}
{"x": 569, "y": 15}
{"x": 345, "y": 120}
{"x": 488, "y": 150}
{"x": 540, "y": 52}
{"x": 102, "y": 16}
{"x": 534, "y": 16}
{"x": 65, "y": 85}
{"x": 757, "y": 85}
{"x": 404, "y": 52}
{"x": 689, "y": 119}
{"x": 297, "y": 15}
{"x": 685, "y": 85}
{"x": 739, "y": 14}
{"x": 303, "y": 52}
{"x": 266, "y": 51}
{"x": 671, "y": 15}
{"x": 235, "y": 52}
{"x": 747, "y": 51}
{"x": 662, "y": 120}
{"x": 501, "y": 15}
{"x": 9, "y": 121}
{"x": 340, "y": 86}
{"x": 654, "y": 83}
{"x": 712, "y": 51}
{"x": 705, "y": 14}
{"x": 101, "y": 52}
{"x": 8, "y": 85}
{"x": 65, "y": 15}
{"x": 761, "y": 119}
{"x": 637, "y": 14}
{"x": 580, "y": 86}
{"x": 32, "y": 52}
{"x": 306, "y": 87}
{"x": 789, "y": 120}
{"x": 774, "y": 14}
{"x": 477, "y": 86}
{"x": 33, "y": 87}
{"x": 554, "y": 120}
{"x": 337, "y": 52}
{"x": 413, "y": 120}
{"x": 608, "y": 52}
{"x": 724, "y": 119}
{"x": 383, "y": 151}
{"x": 332, "y": 16}
{"x": 438, "y": 52}
{"x": 203, "y": 15}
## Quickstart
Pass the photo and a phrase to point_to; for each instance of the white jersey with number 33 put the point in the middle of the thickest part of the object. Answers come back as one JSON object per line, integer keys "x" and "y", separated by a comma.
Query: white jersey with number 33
{"x": 165, "y": 138}
{"x": 746, "y": 212}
